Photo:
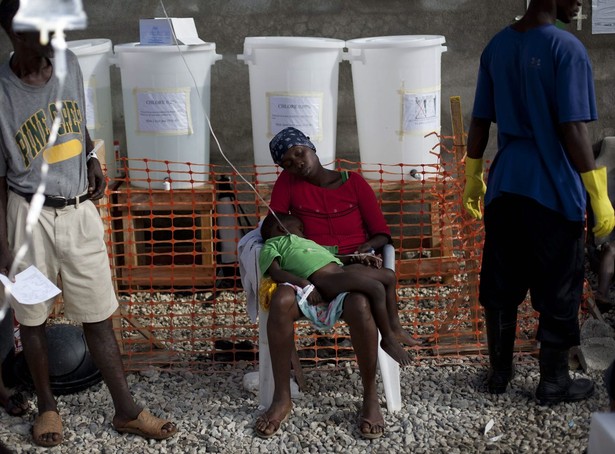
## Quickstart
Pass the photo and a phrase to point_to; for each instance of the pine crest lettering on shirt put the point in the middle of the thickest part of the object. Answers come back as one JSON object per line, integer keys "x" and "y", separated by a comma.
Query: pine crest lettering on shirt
{"x": 33, "y": 135}
{"x": 71, "y": 117}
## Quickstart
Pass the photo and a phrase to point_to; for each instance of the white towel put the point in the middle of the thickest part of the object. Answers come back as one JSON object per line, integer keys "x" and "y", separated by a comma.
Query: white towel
{"x": 248, "y": 250}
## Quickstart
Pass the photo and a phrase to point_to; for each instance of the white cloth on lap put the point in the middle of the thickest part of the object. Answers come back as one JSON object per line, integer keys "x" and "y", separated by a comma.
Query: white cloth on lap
{"x": 248, "y": 250}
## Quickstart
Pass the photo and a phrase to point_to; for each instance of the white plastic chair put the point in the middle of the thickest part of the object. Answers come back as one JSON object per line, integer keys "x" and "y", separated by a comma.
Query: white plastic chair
{"x": 389, "y": 368}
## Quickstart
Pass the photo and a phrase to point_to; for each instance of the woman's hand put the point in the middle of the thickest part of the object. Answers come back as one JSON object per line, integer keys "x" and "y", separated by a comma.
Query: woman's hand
{"x": 367, "y": 259}
{"x": 365, "y": 248}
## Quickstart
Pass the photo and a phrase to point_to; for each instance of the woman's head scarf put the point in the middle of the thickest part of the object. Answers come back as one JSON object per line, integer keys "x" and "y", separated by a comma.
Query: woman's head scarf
{"x": 285, "y": 140}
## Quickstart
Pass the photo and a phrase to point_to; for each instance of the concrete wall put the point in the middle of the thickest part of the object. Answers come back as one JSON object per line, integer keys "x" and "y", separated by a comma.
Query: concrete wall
{"x": 466, "y": 24}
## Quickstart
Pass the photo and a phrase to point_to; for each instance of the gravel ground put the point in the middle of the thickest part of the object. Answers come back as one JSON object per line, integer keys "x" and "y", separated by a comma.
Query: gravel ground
{"x": 446, "y": 409}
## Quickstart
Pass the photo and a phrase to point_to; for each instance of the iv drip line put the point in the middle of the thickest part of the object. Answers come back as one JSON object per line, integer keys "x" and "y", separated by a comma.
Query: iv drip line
{"x": 209, "y": 122}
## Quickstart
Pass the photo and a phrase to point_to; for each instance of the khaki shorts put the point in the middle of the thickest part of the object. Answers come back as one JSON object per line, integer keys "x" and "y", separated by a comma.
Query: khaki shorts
{"x": 68, "y": 242}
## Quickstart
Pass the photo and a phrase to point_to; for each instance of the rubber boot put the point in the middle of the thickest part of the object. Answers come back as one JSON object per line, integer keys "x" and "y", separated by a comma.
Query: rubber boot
{"x": 501, "y": 330}
{"x": 555, "y": 384}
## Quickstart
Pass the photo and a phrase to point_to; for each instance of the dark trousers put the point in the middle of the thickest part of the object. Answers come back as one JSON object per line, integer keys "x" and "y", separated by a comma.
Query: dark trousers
{"x": 530, "y": 247}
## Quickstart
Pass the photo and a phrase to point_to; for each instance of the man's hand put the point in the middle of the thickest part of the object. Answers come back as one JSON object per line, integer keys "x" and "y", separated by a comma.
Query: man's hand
{"x": 96, "y": 179}
{"x": 6, "y": 261}
{"x": 475, "y": 188}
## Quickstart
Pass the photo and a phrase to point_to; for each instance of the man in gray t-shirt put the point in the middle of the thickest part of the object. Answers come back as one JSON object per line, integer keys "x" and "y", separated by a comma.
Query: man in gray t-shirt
{"x": 68, "y": 237}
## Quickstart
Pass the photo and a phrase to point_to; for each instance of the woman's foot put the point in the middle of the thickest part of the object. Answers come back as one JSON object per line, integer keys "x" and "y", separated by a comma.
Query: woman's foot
{"x": 269, "y": 423}
{"x": 395, "y": 350}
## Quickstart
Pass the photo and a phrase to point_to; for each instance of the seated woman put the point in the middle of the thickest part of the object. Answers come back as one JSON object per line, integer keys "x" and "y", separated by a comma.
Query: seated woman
{"x": 337, "y": 209}
{"x": 290, "y": 258}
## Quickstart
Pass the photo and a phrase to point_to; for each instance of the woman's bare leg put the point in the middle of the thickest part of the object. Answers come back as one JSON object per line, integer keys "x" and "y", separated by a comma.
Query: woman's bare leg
{"x": 605, "y": 272}
{"x": 283, "y": 312}
{"x": 364, "y": 336}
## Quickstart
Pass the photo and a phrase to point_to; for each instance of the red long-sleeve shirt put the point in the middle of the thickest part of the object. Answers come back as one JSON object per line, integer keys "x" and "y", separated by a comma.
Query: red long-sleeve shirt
{"x": 345, "y": 217}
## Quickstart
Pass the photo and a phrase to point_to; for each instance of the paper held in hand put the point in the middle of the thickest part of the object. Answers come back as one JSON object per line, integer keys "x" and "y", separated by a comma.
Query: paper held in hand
{"x": 31, "y": 286}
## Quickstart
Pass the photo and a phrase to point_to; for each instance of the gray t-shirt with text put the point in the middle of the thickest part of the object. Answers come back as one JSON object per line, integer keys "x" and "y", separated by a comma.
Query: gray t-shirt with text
{"x": 26, "y": 119}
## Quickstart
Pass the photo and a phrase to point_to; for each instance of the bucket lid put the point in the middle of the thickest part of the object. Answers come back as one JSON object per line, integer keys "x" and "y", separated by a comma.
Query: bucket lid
{"x": 89, "y": 46}
{"x": 137, "y": 47}
{"x": 401, "y": 41}
{"x": 275, "y": 42}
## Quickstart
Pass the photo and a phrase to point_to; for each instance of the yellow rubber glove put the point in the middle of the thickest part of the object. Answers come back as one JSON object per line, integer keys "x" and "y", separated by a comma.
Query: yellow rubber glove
{"x": 596, "y": 185}
{"x": 475, "y": 188}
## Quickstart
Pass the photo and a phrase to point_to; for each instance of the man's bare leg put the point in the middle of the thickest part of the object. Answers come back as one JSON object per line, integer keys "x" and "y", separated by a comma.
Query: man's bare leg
{"x": 34, "y": 341}
{"x": 106, "y": 355}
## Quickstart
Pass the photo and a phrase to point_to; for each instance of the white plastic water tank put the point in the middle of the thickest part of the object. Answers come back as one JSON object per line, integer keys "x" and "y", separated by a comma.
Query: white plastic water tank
{"x": 166, "y": 94}
{"x": 94, "y": 59}
{"x": 293, "y": 82}
{"x": 397, "y": 93}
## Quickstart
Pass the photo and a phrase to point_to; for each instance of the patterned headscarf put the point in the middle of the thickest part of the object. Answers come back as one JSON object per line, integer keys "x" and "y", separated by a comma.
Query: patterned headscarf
{"x": 285, "y": 140}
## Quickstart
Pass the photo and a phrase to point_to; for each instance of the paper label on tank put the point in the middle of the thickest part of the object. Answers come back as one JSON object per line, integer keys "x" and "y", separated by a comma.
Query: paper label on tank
{"x": 164, "y": 112}
{"x": 301, "y": 111}
{"x": 421, "y": 111}
{"x": 90, "y": 107}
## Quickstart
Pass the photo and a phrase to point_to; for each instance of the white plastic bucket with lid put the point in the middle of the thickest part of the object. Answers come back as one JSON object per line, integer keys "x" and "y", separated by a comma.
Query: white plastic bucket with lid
{"x": 166, "y": 94}
{"x": 94, "y": 57}
{"x": 293, "y": 82}
{"x": 397, "y": 92}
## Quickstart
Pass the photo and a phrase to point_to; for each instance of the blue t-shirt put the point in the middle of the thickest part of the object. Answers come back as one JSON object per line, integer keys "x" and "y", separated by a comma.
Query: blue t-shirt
{"x": 529, "y": 83}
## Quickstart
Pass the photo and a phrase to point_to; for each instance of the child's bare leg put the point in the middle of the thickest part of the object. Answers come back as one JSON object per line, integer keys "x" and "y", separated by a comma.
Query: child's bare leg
{"x": 387, "y": 278}
{"x": 332, "y": 284}
{"x": 400, "y": 333}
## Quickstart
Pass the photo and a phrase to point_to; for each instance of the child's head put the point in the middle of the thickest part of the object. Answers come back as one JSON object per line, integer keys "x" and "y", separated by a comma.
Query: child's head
{"x": 271, "y": 226}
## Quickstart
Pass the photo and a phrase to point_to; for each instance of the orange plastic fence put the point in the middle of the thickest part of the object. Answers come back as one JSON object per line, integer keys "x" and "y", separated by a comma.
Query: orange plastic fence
{"x": 172, "y": 231}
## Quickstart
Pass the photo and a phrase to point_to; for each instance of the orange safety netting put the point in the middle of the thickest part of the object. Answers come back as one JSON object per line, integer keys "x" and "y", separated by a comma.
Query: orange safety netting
{"x": 172, "y": 232}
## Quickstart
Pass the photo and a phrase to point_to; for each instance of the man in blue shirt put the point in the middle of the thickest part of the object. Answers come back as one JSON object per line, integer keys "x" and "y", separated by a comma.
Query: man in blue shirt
{"x": 535, "y": 82}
